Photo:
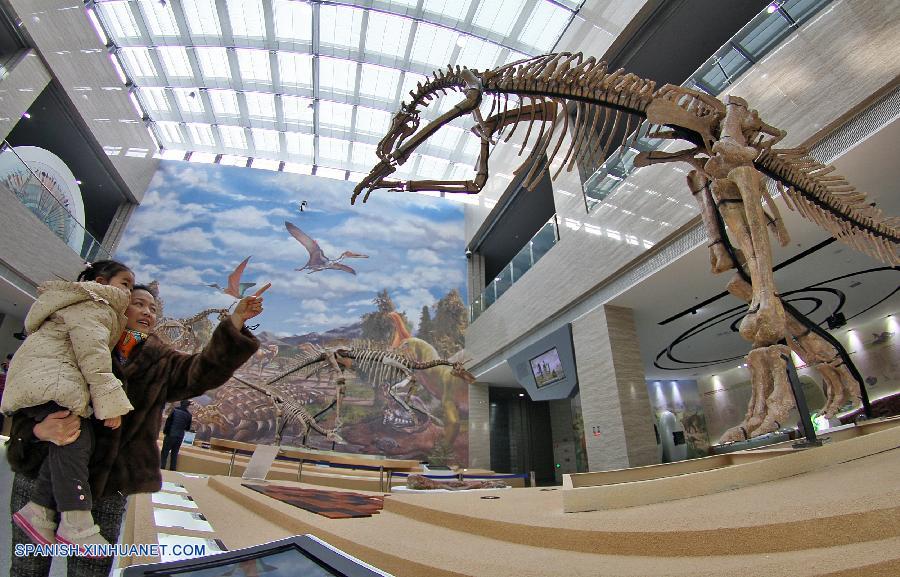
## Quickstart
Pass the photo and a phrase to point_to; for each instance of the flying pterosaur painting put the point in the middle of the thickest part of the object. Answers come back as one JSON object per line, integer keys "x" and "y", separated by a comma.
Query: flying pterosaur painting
{"x": 317, "y": 259}
{"x": 235, "y": 287}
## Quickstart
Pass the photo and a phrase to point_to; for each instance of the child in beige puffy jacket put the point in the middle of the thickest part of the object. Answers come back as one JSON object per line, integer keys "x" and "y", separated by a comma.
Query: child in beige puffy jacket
{"x": 65, "y": 364}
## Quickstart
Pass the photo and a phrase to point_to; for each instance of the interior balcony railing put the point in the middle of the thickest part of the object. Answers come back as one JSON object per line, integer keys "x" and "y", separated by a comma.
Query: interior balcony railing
{"x": 49, "y": 206}
{"x": 752, "y": 42}
{"x": 534, "y": 249}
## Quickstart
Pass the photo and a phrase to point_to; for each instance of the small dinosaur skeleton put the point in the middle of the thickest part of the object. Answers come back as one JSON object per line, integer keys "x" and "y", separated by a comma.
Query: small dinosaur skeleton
{"x": 380, "y": 366}
{"x": 731, "y": 152}
{"x": 180, "y": 333}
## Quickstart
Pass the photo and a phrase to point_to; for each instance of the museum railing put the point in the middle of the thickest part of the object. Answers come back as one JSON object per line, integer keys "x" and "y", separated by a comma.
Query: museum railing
{"x": 49, "y": 206}
{"x": 532, "y": 252}
{"x": 757, "y": 38}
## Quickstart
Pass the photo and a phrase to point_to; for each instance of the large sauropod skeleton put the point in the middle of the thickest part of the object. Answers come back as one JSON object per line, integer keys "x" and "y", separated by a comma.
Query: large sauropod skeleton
{"x": 731, "y": 155}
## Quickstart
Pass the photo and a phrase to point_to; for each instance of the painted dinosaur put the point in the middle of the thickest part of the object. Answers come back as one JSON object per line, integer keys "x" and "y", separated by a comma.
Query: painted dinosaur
{"x": 730, "y": 152}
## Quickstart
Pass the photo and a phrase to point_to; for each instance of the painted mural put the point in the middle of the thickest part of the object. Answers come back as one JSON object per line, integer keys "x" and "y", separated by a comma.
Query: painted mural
{"x": 682, "y": 398}
{"x": 389, "y": 274}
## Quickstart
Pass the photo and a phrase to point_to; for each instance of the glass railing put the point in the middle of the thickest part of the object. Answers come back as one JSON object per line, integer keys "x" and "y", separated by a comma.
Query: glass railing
{"x": 757, "y": 38}
{"x": 532, "y": 252}
{"x": 49, "y": 206}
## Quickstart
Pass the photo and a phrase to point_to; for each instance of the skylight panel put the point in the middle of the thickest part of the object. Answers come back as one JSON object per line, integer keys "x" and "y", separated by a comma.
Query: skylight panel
{"x": 202, "y": 157}
{"x": 265, "y": 164}
{"x": 431, "y": 167}
{"x": 254, "y": 64}
{"x": 433, "y": 45}
{"x": 233, "y": 136}
{"x": 293, "y": 20}
{"x": 478, "y": 54}
{"x": 340, "y": 26}
{"x": 327, "y": 172}
{"x": 188, "y": 100}
{"x": 159, "y": 18}
{"x": 213, "y": 62}
{"x": 387, "y": 34}
{"x": 295, "y": 69}
{"x": 447, "y": 137}
{"x": 514, "y": 56}
{"x": 545, "y": 26}
{"x": 201, "y": 134}
{"x": 333, "y": 149}
{"x": 337, "y": 75}
{"x": 265, "y": 139}
{"x": 378, "y": 81}
{"x": 202, "y": 18}
{"x": 120, "y": 19}
{"x": 138, "y": 62}
{"x": 297, "y": 109}
{"x": 471, "y": 146}
{"x": 372, "y": 121}
{"x": 410, "y": 82}
{"x": 363, "y": 155}
{"x": 299, "y": 145}
{"x": 260, "y": 105}
{"x": 297, "y": 168}
{"x": 154, "y": 99}
{"x": 246, "y": 17}
{"x": 335, "y": 114}
{"x": 232, "y": 160}
{"x": 170, "y": 132}
{"x": 450, "y": 8}
{"x": 175, "y": 61}
{"x": 461, "y": 172}
{"x": 224, "y": 102}
{"x": 498, "y": 15}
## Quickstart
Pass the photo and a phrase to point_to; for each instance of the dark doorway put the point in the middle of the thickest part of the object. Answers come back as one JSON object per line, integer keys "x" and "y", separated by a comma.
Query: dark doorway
{"x": 521, "y": 437}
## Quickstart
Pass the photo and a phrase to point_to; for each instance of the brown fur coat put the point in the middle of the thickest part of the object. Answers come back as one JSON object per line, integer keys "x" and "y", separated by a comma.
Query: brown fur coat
{"x": 126, "y": 460}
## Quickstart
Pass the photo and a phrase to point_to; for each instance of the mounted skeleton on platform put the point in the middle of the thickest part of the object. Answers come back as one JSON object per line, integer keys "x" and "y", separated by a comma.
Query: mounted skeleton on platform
{"x": 181, "y": 333}
{"x": 732, "y": 152}
{"x": 395, "y": 369}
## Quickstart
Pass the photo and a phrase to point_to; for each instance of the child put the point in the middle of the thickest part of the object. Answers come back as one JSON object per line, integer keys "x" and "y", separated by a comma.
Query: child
{"x": 65, "y": 363}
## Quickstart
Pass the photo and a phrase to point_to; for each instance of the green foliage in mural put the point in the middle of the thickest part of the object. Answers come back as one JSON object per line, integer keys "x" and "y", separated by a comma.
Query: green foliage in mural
{"x": 377, "y": 325}
{"x": 449, "y": 324}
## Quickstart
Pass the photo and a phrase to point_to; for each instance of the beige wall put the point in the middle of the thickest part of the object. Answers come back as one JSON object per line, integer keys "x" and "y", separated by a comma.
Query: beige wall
{"x": 20, "y": 88}
{"x": 479, "y": 426}
{"x": 613, "y": 391}
{"x": 28, "y": 246}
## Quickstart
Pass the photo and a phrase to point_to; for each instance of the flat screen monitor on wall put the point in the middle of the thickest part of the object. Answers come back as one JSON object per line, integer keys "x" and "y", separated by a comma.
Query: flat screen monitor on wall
{"x": 546, "y": 368}
{"x": 301, "y": 555}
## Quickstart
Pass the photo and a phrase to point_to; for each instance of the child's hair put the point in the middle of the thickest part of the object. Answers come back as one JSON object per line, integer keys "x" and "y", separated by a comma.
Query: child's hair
{"x": 102, "y": 268}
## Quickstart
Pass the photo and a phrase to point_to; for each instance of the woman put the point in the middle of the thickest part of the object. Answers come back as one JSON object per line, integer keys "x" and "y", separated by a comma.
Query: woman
{"x": 126, "y": 460}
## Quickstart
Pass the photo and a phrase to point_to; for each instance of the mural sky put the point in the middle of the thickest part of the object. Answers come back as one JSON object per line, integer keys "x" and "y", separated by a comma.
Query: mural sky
{"x": 197, "y": 222}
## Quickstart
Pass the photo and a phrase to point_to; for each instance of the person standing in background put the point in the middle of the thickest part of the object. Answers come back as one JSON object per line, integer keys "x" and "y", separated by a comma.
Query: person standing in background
{"x": 178, "y": 422}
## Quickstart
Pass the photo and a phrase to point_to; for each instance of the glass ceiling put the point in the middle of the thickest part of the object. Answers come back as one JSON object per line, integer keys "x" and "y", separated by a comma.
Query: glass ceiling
{"x": 310, "y": 87}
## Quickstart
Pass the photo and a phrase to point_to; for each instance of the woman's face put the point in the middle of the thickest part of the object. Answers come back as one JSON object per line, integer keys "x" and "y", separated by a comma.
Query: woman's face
{"x": 141, "y": 312}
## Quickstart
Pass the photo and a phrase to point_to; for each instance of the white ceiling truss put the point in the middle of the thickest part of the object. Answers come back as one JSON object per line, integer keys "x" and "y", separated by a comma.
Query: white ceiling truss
{"x": 311, "y": 86}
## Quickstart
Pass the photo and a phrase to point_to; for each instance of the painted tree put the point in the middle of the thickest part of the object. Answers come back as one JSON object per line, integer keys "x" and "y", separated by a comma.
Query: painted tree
{"x": 377, "y": 325}
{"x": 426, "y": 325}
{"x": 449, "y": 325}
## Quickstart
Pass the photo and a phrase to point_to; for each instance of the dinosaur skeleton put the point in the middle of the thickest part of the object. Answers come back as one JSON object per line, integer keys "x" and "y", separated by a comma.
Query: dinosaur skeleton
{"x": 381, "y": 366}
{"x": 179, "y": 333}
{"x": 731, "y": 152}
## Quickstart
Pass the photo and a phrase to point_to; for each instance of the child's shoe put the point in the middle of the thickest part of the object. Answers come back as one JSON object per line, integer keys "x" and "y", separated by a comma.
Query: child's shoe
{"x": 37, "y": 522}
{"x": 78, "y": 528}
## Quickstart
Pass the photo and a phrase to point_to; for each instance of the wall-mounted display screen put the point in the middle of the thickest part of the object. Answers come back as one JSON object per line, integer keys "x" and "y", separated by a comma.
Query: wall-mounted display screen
{"x": 547, "y": 368}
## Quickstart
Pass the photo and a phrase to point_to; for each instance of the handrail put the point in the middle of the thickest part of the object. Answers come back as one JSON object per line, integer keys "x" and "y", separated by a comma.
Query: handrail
{"x": 94, "y": 249}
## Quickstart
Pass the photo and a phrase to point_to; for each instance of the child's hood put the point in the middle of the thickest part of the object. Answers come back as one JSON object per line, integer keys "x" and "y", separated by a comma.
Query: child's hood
{"x": 57, "y": 295}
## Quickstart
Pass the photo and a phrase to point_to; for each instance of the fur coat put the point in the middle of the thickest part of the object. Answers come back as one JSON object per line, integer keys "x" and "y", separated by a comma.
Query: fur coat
{"x": 72, "y": 328}
{"x": 126, "y": 460}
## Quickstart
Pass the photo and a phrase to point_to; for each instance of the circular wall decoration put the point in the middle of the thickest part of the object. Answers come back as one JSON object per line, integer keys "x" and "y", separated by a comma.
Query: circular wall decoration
{"x": 48, "y": 189}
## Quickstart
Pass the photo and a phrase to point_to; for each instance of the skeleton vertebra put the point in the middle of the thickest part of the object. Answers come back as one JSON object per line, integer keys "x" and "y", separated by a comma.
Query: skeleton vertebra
{"x": 732, "y": 152}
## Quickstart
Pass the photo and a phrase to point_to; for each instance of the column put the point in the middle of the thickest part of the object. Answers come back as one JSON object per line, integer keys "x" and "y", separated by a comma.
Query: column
{"x": 618, "y": 422}
{"x": 479, "y": 426}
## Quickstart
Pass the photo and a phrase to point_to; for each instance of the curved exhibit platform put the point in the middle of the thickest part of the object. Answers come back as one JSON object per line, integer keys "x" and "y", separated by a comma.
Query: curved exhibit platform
{"x": 838, "y": 518}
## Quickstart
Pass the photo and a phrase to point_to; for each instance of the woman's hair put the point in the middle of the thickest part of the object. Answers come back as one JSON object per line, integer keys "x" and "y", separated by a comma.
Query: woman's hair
{"x": 144, "y": 287}
{"x": 102, "y": 268}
